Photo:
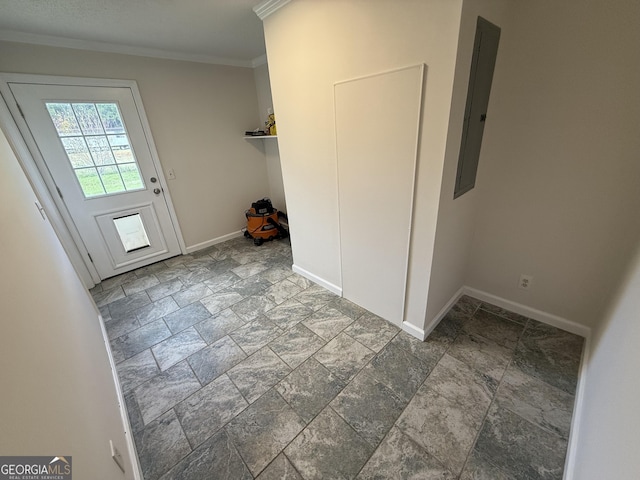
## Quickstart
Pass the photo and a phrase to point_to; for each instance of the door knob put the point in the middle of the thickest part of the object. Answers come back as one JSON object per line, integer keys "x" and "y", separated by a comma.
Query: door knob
{"x": 156, "y": 191}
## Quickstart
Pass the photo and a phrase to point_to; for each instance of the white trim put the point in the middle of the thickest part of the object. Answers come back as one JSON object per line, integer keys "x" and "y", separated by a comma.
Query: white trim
{"x": 105, "y": 47}
{"x": 529, "y": 312}
{"x": 443, "y": 311}
{"x": 128, "y": 431}
{"x": 266, "y": 8}
{"x": 574, "y": 433}
{"x": 315, "y": 279}
{"x": 414, "y": 331}
{"x": 213, "y": 241}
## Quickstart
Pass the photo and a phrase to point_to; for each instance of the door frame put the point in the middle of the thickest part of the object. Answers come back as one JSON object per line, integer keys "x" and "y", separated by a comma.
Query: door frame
{"x": 34, "y": 166}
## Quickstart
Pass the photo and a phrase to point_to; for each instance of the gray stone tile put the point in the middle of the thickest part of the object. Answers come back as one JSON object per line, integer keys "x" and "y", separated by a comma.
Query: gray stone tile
{"x": 501, "y": 312}
{"x": 171, "y": 273}
{"x": 262, "y": 430}
{"x": 156, "y": 310}
{"x": 219, "y": 301}
{"x": 119, "y": 326}
{"x": 255, "y": 335}
{"x": 161, "y": 445}
{"x": 296, "y": 345}
{"x": 315, "y": 297}
{"x": 186, "y": 317}
{"x": 280, "y": 469}
{"x": 126, "y": 305}
{"x": 519, "y": 448}
{"x": 252, "y": 307}
{"x": 551, "y": 355}
{"x": 467, "y": 305}
{"x": 328, "y": 448}
{"x": 222, "y": 281}
{"x": 369, "y": 407}
{"x": 399, "y": 370}
{"x": 327, "y": 322}
{"x": 463, "y": 385}
{"x": 309, "y": 388}
{"x": 258, "y": 373}
{"x": 479, "y": 468}
{"x": 214, "y": 360}
{"x": 105, "y": 297}
{"x": 179, "y": 260}
{"x": 151, "y": 269}
{"x": 139, "y": 284}
{"x": 344, "y": 356}
{"x": 177, "y": 348}
{"x": 288, "y": 314}
{"x": 443, "y": 427}
{"x": 277, "y": 273}
{"x": 486, "y": 356}
{"x": 199, "y": 262}
{"x": 137, "y": 370}
{"x": 372, "y": 331}
{"x": 500, "y": 330}
{"x": 117, "y": 281}
{"x": 193, "y": 277}
{"x": 164, "y": 289}
{"x": 132, "y": 343}
{"x": 537, "y": 401}
{"x": 281, "y": 291}
{"x": 223, "y": 266}
{"x": 429, "y": 351}
{"x": 97, "y": 288}
{"x": 249, "y": 286}
{"x": 209, "y": 409}
{"x": 349, "y": 308}
{"x": 133, "y": 412}
{"x": 192, "y": 294}
{"x": 165, "y": 390}
{"x": 214, "y": 328}
{"x": 450, "y": 326}
{"x": 249, "y": 269}
{"x": 301, "y": 281}
{"x": 215, "y": 458}
{"x": 399, "y": 457}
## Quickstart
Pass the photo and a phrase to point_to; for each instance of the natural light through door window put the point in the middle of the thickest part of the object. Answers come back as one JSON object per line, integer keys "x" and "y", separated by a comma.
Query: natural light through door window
{"x": 97, "y": 146}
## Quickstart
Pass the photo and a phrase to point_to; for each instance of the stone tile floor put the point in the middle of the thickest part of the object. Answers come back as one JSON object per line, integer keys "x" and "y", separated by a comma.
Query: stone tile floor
{"x": 233, "y": 366}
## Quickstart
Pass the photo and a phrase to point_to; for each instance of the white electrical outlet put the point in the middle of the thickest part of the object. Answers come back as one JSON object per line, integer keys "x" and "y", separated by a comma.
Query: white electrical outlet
{"x": 171, "y": 175}
{"x": 525, "y": 282}
{"x": 116, "y": 455}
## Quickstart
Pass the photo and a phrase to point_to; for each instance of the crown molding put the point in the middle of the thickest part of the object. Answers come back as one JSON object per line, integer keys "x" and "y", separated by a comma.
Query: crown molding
{"x": 261, "y": 60}
{"x": 266, "y": 8}
{"x": 63, "y": 42}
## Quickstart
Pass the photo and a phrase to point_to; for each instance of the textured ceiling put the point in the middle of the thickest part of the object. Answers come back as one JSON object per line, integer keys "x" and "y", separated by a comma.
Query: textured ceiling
{"x": 208, "y": 30}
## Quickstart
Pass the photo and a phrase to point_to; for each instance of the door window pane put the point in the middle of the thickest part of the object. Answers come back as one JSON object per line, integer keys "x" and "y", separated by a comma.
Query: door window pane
{"x": 131, "y": 232}
{"x": 97, "y": 145}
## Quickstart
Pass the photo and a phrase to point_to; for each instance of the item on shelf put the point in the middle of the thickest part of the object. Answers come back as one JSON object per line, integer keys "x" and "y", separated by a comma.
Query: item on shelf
{"x": 270, "y": 124}
{"x": 255, "y": 133}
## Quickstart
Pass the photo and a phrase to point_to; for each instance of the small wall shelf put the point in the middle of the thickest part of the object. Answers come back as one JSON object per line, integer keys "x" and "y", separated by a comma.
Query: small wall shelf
{"x": 251, "y": 137}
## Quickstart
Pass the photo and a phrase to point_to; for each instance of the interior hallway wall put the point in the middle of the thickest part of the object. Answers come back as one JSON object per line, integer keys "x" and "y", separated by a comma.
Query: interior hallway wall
{"x": 310, "y": 46}
{"x": 198, "y": 114}
{"x": 58, "y": 392}
{"x": 559, "y": 173}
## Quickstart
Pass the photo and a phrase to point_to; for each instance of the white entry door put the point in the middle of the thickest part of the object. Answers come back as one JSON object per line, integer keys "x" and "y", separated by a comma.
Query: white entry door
{"x": 95, "y": 149}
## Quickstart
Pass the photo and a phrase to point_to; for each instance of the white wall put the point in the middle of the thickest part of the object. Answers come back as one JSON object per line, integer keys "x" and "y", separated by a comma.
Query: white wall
{"x": 310, "y": 46}
{"x": 198, "y": 114}
{"x": 609, "y": 426}
{"x": 457, "y": 218}
{"x": 559, "y": 173}
{"x": 270, "y": 146}
{"x": 58, "y": 391}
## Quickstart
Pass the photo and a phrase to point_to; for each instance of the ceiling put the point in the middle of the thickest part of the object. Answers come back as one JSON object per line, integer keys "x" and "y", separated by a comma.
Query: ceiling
{"x": 212, "y": 31}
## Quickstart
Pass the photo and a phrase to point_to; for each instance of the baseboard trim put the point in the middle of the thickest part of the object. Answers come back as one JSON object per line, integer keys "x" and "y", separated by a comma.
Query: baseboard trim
{"x": 214, "y": 241}
{"x": 414, "y": 331}
{"x": 529, "y": 312}
{"x": 315, "y": 279}
{"x": 578, "y": 407}
{"x": 128, "y": 431}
